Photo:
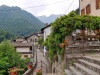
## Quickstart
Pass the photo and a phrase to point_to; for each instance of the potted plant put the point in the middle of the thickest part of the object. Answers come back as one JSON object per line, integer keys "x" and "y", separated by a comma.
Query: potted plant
{"x": 29, "y": 65}
{"x": 39, "y": 72}
{"x": 14, "y": 70}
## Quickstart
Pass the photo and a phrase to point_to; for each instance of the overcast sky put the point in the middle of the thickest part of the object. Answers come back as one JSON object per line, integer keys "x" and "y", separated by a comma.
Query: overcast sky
{"x": 44, "y": 7}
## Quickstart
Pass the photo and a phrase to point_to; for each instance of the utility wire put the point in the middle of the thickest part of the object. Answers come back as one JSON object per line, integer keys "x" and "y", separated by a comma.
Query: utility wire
{"x": 32, "y": 2}
{"x": 37, "y": 6}
{"x": 69, "y": 6}
{"x": 46, "y": 4}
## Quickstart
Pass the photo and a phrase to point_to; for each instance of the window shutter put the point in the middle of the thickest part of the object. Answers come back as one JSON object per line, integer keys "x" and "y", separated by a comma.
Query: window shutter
{"x": 82, "y": 12}
{"x": 97, "y": 4}
{"x": 88, "y": 9}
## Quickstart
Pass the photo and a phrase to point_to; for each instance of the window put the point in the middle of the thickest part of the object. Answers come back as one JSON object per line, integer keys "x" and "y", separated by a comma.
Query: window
{"x": 88, "y": 9}
{"x": 82, "y": 12}
{"x": 30, "y": 56}
{"x": 35, "y": 40}
{"x": 25, "y": 56}
{"x": 31, "y": 48}
{"x": 97, "y": 4}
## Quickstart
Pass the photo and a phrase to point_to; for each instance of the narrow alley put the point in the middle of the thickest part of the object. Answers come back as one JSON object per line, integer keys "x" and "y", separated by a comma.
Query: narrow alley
{"x": 42, "y": 63}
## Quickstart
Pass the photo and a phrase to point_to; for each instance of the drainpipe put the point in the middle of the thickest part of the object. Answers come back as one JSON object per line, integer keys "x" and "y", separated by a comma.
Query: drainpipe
{"x": 79, "y": 8}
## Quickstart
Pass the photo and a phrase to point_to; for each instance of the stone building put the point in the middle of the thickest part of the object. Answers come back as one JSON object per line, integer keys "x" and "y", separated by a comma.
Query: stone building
{"x": 90, "y": 7}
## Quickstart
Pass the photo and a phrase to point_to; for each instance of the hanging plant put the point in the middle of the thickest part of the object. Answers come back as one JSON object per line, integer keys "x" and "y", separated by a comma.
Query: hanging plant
{"x": 62, "y": 45}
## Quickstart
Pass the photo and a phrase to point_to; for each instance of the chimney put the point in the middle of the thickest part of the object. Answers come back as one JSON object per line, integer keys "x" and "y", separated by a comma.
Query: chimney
{"x": 46, "y": 24}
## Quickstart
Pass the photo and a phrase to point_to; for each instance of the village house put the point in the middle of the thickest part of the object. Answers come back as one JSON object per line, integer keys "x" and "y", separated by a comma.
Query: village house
{"x": 33, "y": 39}
{"x": 46, "y": 32}
{"x": 24, "y": 48}
{"x": 26, "y": 45}
{"x": 91, "y": 7}
{"x": 19, "y": 40}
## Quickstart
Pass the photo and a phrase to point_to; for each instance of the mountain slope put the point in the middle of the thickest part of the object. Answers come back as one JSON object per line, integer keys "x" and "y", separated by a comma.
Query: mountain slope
{"x": 48, "y": 19}
{"x": 18, "y": 21}
{"x": 5, "y": 36}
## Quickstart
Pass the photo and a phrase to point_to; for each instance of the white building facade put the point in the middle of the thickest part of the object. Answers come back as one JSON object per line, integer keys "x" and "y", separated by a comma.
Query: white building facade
{"x": 46, "y": 32}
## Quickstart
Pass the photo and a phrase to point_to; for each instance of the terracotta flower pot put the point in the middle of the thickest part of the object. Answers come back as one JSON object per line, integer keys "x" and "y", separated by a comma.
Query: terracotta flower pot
{"x": 13, "y": 71}
{"x": 29, "y": 66}
{"x": 39, "y": 72}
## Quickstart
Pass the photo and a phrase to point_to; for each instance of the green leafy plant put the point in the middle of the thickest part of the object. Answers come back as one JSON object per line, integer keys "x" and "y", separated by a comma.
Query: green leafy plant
{"x": 40, "y": 41}
{"x": 64, "y": 26}
{"x": 10, "y": 58}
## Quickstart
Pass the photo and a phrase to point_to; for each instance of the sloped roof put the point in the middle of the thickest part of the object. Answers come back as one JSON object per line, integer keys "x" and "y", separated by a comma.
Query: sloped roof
{"x": 22, "y": 44}
{"x": 45, "y": 28}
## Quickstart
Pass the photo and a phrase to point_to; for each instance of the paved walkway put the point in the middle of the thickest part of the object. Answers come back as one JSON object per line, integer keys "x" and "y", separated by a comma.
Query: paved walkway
{"x": 40, "y": 58}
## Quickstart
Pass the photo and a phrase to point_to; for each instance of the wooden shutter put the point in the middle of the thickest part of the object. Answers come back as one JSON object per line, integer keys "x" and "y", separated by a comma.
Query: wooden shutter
{"x": 82, "y": 12}
{"x": 97, "y": 4}
{"x": 88, "y": 9}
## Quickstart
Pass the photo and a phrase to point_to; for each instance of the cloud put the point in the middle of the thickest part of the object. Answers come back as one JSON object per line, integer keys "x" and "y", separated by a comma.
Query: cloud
{"x": 11, "y": 2}
{"x": 55, "y": 8}
{"x": 60, "y": 8}
{"x": 30, "y": 6}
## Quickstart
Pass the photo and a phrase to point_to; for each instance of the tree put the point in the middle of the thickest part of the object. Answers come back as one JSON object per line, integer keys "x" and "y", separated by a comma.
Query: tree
{"x": 5, "y": 35}
{"x": 40, "y": 40}
{"x": 9, "y": 58}
{"x": 77, "y": 11}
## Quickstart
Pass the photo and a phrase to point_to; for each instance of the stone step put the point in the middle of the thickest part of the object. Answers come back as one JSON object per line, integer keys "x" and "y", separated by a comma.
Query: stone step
{"x": 52, "y": 74}
{"x": 74, "y": 71}
{"x": 73, "y": 52}
{"x": 84, "y": 70}
{"x": 67, "y": 72}
{"x": 92, "y": 59}
{"x": 90, "y": 65}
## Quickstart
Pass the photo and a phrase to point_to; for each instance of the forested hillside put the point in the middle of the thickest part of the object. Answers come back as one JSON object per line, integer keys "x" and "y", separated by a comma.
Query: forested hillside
{"x": 5, "y": 36}
{"x": 18, "y": 21}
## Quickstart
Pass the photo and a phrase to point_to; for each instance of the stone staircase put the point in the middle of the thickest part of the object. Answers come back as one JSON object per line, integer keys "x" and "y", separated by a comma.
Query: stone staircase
{"x": 85, "y": 66}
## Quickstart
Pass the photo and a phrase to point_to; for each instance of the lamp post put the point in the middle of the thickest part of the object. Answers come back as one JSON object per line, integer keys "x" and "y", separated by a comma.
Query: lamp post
{"x": 34, "y": 51}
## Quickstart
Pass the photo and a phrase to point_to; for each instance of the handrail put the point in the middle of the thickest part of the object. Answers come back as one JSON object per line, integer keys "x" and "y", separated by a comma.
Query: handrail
{"x": 42, "y": 66}
{"x": 30, "y": 71}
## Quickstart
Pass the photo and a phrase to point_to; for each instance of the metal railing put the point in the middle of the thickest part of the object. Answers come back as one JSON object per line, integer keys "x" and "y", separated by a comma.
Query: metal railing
{"x": 41, "y": 66}
{"x": 30, "y": 71}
